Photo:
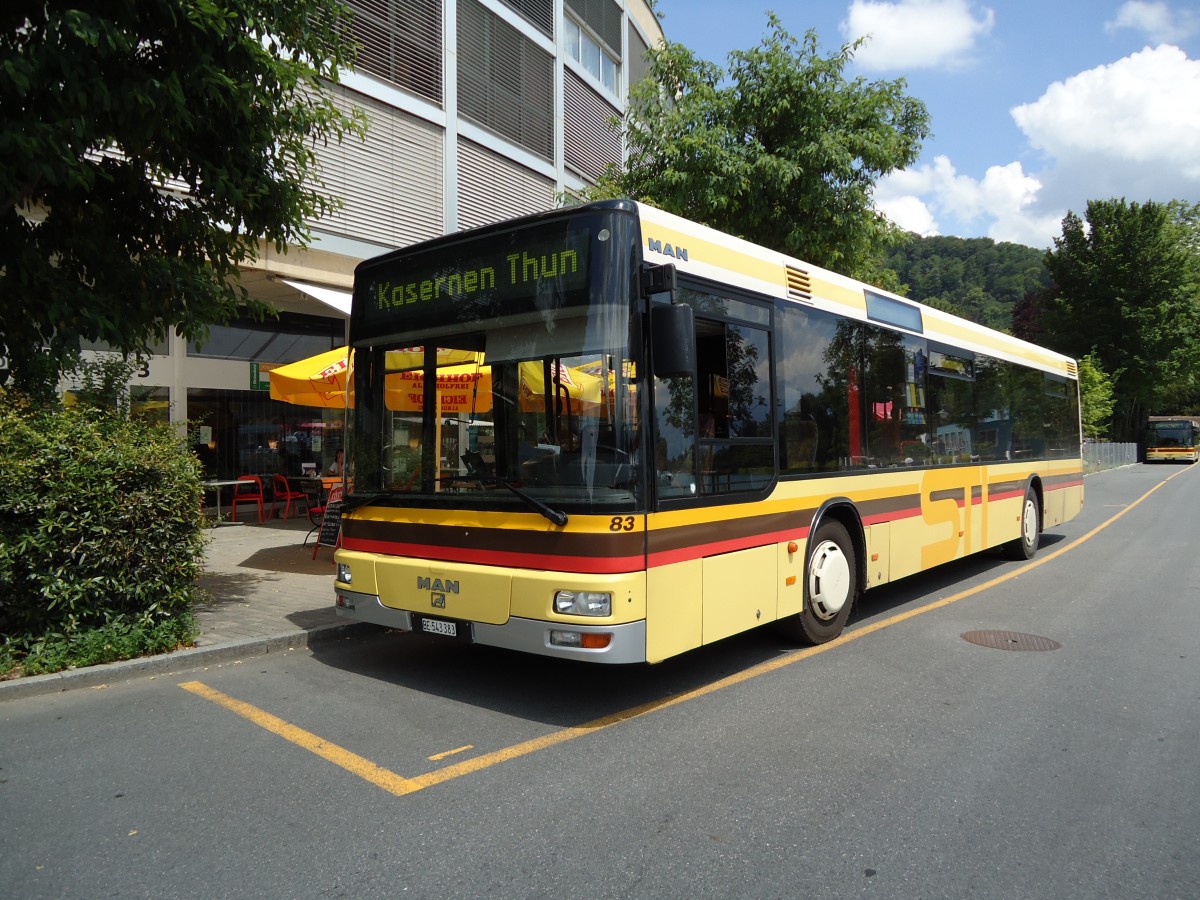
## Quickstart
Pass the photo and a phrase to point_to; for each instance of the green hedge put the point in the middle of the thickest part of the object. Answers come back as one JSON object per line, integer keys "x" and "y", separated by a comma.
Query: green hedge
{"x": 100, "y": 529}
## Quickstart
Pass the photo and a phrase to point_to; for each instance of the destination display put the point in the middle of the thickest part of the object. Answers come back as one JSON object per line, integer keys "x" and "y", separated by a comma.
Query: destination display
{"x": 476, "y": 280}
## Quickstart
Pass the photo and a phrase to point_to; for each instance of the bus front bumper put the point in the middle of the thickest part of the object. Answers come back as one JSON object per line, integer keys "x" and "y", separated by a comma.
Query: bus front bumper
{"x": 626, "y": 645}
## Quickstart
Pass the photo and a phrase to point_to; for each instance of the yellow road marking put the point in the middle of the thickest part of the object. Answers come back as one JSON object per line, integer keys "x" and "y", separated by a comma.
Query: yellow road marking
{"x": 398, "y": 785}
{"x": 443, "y": 755}
{"x": 339, "y": 756}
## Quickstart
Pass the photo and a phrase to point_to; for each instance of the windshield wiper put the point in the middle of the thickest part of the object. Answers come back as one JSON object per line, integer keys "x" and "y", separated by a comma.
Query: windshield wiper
{"x": 557, "y": 516}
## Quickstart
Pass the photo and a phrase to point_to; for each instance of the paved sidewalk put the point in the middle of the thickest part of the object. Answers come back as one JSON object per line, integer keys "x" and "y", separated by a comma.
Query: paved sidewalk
{"x": 263, "y": 582}
{"x": 266, "y": 594}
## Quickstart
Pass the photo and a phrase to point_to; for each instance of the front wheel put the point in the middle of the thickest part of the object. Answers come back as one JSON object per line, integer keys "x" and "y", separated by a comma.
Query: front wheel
{"x": 1026, "y": 545}
{"x": 830, "y": 586}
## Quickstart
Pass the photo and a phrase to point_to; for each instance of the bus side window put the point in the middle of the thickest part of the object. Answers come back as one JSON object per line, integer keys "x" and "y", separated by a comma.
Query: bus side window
{"x": 714, "y": 379}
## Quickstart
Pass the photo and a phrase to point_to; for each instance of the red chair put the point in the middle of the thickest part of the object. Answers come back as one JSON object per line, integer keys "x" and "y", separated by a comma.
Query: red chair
{"x": 315, "y": 514}
{"x": 284, "y": 491}
{"x": 249, "y": 489}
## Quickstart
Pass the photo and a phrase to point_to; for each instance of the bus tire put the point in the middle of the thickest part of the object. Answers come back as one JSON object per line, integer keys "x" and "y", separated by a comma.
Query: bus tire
{"x": 830, "y": 585}
{"x": 1026, "y": 545}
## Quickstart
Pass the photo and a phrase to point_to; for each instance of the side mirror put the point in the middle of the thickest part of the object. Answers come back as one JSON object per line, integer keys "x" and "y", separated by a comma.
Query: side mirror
{"x": 672, "y": 330}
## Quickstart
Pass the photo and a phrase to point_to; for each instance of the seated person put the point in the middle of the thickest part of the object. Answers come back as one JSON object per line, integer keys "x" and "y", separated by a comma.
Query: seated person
{"x": 337, "y": 467}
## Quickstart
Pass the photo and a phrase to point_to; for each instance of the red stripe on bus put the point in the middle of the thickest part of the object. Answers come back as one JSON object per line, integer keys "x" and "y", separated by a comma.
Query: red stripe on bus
{"x": 1060, "y": 485}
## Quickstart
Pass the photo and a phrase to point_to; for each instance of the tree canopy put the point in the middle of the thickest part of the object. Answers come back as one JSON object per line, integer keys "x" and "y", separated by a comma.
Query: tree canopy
{"x": 1127, "y": 290}
{"x": 145, "y": 150}
{"x": 782, "y": 149}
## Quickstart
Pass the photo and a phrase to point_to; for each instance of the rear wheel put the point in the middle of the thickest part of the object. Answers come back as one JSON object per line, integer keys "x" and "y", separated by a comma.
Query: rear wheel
{"x": 1026, "y": 545}
{"x": 830, "y": 586}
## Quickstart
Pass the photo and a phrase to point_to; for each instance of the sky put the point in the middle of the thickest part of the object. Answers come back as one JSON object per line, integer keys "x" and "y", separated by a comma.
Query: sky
{"x": 1036, "y": 106}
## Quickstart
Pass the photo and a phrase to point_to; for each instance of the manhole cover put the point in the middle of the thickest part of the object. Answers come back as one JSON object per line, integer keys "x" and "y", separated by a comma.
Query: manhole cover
{"x": 1010, "y": 640}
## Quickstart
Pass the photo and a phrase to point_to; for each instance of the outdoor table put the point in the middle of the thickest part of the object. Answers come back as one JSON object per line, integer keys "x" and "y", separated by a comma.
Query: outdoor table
{"x": 322, "y": 483}
{"x": 313, "y": 481}
{"x": 216, "y": 486}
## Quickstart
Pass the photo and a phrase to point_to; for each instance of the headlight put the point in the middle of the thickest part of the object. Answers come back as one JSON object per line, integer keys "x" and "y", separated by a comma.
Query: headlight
{"x": 583, "y": 603}
{"x": 343, "y": 573}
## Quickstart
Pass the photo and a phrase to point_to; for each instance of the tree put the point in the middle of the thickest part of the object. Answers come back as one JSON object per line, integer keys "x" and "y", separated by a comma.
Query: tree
{"x": 1027, "y": 314}
{"x": 146, "y": 149}
{"x": 783, "y": 151}
{"x": 1126, "y": 287}
{"x": 1095, "y": 397}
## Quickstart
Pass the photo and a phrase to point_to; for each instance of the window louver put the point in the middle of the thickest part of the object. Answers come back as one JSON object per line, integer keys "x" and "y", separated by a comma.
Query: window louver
{"x": 603, "y": 17}
{"x": 390, "y": 183}
{"x": 401, "y": 42}
{"x": 798, "y": 284}
{"x": 638, "y": 67}
{"x": 540, "y": 13}
{"x": 505, "y": 81}
{"x": 492, "y": 188}
{"x": 590, "y": 142}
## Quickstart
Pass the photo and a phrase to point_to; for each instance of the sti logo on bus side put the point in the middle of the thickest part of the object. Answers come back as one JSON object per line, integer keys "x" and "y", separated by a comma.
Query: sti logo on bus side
{"x": 666, "y": 249}
{"x": 438, "y": 590}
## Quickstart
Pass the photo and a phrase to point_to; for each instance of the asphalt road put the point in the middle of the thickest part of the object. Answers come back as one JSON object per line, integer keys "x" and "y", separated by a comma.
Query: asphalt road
{"x": 901, "y": 761}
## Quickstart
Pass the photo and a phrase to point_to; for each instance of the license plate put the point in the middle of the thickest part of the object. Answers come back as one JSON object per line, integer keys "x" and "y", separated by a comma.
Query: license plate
{"x": 437, "y": 626}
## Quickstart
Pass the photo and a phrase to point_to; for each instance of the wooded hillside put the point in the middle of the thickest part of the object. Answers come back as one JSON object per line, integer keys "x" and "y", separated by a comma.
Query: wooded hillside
{"x": 975, "y": 278}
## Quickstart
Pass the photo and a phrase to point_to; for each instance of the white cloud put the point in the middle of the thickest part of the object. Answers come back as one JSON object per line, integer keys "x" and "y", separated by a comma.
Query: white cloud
{"x": 921, "y": 199}
{"x": 1136, "y": 121}
{"x": 909, "y": 212}
{"x": 1130, "y": 129}
{"x": 914, "y": 198}
{"x": 1011, "y": 198}
{"x": 915, "y": 34}
{"x": 1156, "y": 20}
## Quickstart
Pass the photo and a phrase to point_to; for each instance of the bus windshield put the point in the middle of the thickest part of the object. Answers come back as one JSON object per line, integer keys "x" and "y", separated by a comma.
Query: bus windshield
{"x": 518, "y": 391}
{"x": 1170, "y": 434}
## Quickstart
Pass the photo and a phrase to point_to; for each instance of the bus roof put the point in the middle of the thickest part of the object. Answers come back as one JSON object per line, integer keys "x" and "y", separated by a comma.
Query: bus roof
{"x": 707, "y": 253}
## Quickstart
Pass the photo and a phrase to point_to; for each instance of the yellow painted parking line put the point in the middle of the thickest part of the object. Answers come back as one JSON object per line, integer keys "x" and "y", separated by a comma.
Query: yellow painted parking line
{"x": 400, "y": 786}
{"x": 339, "y": 756}
{"x": 457, "y": 750}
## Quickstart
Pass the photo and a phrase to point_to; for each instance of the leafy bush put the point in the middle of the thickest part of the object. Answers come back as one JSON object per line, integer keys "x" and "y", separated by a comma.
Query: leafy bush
{"x": 122, "y": 638}
{"x": 100, "y": 531}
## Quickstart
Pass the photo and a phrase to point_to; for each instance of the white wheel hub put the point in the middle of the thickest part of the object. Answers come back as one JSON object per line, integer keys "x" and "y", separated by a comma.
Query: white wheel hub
{"x": 1029, "y": 524}
{"x": 828, "y": 580}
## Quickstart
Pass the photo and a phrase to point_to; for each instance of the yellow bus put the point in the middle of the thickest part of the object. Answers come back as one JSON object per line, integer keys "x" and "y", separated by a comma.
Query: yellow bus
{"x": 1172, "y": 439}
{"x": 607, "y": 433}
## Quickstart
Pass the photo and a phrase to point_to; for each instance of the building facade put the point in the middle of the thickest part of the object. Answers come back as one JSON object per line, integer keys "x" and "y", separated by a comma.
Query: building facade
{"x": 477, "y": 111}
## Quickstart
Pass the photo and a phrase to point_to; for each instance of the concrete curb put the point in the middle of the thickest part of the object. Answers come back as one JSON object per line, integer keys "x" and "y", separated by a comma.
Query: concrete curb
{"x": 168, "y": 663}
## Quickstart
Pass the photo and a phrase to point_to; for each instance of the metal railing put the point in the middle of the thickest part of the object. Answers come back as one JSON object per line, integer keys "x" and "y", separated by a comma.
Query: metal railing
{"x": 1098, "y": 456}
